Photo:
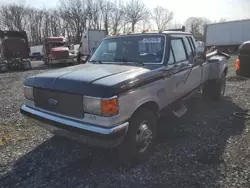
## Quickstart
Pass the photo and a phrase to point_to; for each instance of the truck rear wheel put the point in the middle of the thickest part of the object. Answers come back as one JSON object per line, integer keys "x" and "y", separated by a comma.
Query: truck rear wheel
{"x": 139, "y": 142}
{"x": 27, "y": 66}
{"x": 215, "y": 89}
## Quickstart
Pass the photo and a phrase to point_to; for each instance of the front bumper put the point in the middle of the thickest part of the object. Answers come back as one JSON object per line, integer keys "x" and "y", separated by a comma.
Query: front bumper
{"x": 81, "y": 132}
{"x": 59, "y": 61}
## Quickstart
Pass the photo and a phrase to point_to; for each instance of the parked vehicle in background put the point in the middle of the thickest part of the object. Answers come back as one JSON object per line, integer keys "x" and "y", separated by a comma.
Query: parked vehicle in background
{"x": 91, "y": 38}
{"x": 74, "y": 50}
{"x": 114, "y": 99}
{"x": 243, "y": 62}
{"x": 36, "y": 52}
{"x": 36, "y": 56}
{"x": 227, "y": 36}
{"x": 14, "y": 50}
{"x": 56, "y": 51}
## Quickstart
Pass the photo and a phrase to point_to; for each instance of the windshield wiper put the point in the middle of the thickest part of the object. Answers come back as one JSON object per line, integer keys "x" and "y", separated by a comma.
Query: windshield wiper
{"x": 96, "y": 61}
{"x": 124, "y": 60}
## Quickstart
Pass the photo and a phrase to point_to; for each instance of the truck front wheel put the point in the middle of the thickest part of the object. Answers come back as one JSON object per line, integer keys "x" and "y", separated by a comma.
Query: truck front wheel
{"x": 215, "y": 89}
{"x": 139, "y": 142}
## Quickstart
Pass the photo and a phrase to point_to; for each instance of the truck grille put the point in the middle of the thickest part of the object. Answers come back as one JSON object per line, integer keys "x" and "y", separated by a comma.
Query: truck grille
{"x": 61, "y": 103}
{"x": 61, "y": 54}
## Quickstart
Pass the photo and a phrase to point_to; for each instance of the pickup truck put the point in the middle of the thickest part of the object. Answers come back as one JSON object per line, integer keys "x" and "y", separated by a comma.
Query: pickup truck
{"x": 114, "y": 99}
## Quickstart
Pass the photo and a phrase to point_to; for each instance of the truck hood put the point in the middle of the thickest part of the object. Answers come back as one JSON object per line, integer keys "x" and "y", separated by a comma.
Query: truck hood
{"x": 97, "y": 80}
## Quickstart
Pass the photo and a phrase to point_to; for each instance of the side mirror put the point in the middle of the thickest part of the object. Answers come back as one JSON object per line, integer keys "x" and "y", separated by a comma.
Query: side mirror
{"x": 200, "y": 54}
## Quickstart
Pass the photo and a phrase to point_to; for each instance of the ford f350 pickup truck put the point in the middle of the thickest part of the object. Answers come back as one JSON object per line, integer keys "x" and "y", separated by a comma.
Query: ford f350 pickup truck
{"x": 114, "y": 99}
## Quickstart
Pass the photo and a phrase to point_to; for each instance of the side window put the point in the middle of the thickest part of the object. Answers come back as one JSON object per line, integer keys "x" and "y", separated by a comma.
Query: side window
{"x": 112, "y": 47}
{"x": 188, "y": 48}
{"x": 171, "y": 58}
{"x": 178, "y": 50}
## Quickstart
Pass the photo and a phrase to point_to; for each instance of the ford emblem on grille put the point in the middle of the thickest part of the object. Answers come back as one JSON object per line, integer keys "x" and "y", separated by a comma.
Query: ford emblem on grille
{"x": 52, "y": 101}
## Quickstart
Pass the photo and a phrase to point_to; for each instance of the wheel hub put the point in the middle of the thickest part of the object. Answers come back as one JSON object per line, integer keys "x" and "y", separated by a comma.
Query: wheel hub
{"x": 144, "y": 137}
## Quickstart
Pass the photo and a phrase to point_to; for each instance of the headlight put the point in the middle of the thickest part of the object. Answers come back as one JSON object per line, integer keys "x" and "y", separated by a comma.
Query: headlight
{"x": 28, "y": 93}
{"x": 106, "y": 107}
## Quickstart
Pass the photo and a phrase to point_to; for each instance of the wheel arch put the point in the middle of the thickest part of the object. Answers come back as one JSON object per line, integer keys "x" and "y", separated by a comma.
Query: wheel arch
{"x": 225, "y": 71}
{"x": 151, "y": 105}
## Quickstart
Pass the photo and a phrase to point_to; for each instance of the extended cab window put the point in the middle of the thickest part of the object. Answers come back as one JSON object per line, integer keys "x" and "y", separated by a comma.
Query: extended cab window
{"x": 178, "y": 50}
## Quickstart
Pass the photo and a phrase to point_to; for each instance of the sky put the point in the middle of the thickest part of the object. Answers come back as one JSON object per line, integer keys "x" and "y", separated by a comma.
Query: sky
{"x": 183, "y": 9}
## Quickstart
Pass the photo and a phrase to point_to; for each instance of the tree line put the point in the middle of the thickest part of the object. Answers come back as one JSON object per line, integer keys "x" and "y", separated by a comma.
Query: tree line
{"x": 72, "y": 17}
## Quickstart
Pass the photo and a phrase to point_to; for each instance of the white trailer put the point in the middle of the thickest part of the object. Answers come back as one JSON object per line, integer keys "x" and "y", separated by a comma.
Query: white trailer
{"x": 227, "y": 35}
{"x": 36, "y": 49}
{"x": 91, "y": 38}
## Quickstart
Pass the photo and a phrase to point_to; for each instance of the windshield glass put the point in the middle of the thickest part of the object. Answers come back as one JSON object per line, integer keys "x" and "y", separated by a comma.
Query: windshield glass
{"x": 57, "y": 44}
{"x": 144, "y": 48}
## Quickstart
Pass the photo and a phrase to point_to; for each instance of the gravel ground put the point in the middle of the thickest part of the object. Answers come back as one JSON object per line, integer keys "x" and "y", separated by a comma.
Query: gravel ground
{"x": 208, "y": 147}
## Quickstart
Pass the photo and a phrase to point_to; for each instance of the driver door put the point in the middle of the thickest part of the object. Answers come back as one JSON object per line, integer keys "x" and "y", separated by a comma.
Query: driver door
{"x": 178, "y": 66}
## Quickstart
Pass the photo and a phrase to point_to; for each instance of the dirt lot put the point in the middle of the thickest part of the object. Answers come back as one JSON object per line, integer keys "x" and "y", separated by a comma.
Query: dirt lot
{"x": 208, "y": 147}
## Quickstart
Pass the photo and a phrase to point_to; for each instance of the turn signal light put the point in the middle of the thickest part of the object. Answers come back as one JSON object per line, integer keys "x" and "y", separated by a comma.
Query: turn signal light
{"x": 237, "y": 66}
{"x": 110, "y": 106}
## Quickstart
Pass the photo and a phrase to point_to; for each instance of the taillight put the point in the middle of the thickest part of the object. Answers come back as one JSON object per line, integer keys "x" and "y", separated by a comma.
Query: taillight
{"x": 237, "y": 66}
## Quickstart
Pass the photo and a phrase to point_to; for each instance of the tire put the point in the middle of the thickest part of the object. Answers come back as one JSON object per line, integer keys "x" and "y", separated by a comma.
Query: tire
{"x": 215, "y": 89}
{"x": 50, "y": 63}
{"x": 28, "y": 67}
{"x": 78, "y": 58}
{"x": 5, "y": 69}
{"x": 142, "y": 126}
{"x": 45, "y": 61}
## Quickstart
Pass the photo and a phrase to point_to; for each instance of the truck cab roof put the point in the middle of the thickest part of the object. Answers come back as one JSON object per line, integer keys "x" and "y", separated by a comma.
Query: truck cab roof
{"x": 152, "y": 33}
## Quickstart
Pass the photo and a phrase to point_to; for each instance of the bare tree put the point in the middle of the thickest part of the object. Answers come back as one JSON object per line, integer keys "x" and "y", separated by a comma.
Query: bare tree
{"x": 117, "y": 16}
{"x": 136, "y": 11}
{"x": 75, "y": 14}
{"x": 196, "y": 26}
{"x": 106, "y": 8}
{"x": 34, "y": 25}
{"x": 12, "y": 17}
{"x": 162, "y": 17}
{"x": 93, "y": 15}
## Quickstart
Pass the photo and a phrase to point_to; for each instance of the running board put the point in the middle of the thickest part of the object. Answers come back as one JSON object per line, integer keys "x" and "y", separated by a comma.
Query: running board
{"x": 180, "y": 111}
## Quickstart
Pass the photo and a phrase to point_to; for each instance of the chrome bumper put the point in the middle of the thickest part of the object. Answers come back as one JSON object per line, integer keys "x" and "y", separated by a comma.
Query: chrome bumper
{"x": 94, "y": 135}
{"x": 59, "y": 61}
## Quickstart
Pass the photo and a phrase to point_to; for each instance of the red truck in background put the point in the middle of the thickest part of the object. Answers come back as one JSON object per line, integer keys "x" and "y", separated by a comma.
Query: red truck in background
{"x": 14, "y": 50}
{"x": 57, "y": 51}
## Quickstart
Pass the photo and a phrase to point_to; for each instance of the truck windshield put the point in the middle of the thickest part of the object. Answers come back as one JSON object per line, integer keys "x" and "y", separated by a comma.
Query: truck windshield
{"x": 143, "y": 48}
{"x": 57, "y": 44}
